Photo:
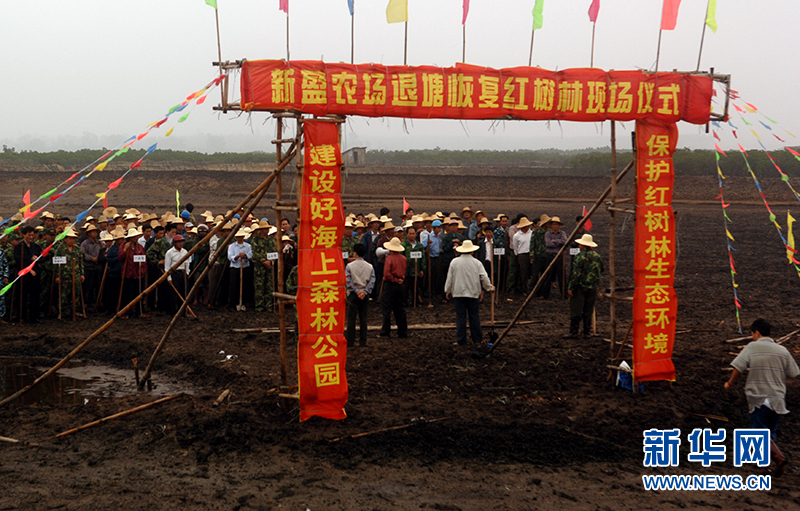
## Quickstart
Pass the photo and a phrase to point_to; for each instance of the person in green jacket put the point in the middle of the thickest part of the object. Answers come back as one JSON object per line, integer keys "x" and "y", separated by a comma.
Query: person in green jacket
{"x": 70, "y": 289}
{"x": 583, "y": 284}
{"x": 415, "y": 267}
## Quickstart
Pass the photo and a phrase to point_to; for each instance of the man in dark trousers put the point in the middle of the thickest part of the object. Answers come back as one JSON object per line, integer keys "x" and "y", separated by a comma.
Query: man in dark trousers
{"x": 392, "y": 296}
{"x": 769, "y": 365}
{"x": 24, "y": 254}
{"x": 583, "y": 287}
{"x": 360, "y": 276}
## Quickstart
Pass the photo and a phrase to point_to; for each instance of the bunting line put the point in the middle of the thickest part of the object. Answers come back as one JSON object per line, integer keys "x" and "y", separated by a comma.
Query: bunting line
{"x": 726, "y": 220}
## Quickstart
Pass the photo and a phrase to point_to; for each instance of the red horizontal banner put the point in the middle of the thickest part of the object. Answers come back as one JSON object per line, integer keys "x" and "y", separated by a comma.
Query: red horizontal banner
{"x": 474, "y": 92}
{"x": 322, "y": 348}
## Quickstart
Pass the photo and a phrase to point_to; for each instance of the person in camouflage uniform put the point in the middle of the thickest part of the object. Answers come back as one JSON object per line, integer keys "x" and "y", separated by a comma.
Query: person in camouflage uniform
{"x": 155, "y": 256}
{"x": 349, "y": 242}
{"x": 74, "y": 255}
{"x": 539, "y": 255}
{"x": 262, "y": 244}
{"x": 414, "y": 267}
{"x": 586, "y": 270}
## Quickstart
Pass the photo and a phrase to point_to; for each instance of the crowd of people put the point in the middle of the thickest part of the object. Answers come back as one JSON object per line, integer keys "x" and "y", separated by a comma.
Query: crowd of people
{"x": 104, "y": 265}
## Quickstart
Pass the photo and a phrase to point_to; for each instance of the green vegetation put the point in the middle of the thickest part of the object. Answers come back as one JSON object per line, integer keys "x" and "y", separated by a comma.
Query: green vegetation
{"x": 584, "y": 162}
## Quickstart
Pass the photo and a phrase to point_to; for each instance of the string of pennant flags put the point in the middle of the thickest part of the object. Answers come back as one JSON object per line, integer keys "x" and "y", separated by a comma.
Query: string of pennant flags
{"x": 98, "y": 166}
{"x": 745, "y": 110}
{"x": 100, "y": 163}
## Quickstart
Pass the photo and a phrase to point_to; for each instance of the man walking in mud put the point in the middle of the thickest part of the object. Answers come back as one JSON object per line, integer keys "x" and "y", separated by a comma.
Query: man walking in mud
{"x": 769, "y": 364}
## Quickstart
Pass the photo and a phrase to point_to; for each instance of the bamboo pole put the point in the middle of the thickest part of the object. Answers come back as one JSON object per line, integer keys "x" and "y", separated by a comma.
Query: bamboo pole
{"x": 382, "y": 430}
{"x": 352, "y": 33}
{"x": 281, "y": 281}
{"x": 262, "y": 189}
{"x": 219, "y": 53}
{"x": 74, "y": 305}
{"x": 376, "y": 328}
{"x": 405, "y": 47}
{"x": 591, "y": 62}
{"x": 133, "y": 302}
{"x": 116, "y": 416}
{"x": 102, "y": 287}
{"x": 544, "y": 275}
{"x": 612, "y": 240}
{"x": 530, "y": 56}
{"x": 702, "y": 37}
{"x": 183, "y": 300}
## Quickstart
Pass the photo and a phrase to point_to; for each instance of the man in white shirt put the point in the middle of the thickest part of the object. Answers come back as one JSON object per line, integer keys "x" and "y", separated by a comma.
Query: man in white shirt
{"x": 521, "y": 245}
{"x": 360, "y": 278}
{"x": 240, "y": 254}
{"x": 466, "y": 281}
{"x": 180, "y": 273}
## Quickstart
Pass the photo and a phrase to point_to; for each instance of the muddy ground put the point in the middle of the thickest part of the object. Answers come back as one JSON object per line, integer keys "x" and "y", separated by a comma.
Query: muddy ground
{"x": 537, "y": 426}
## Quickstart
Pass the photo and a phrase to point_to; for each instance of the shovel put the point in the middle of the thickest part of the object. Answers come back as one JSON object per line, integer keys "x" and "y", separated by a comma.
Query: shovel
{"x": 241, "y": 306}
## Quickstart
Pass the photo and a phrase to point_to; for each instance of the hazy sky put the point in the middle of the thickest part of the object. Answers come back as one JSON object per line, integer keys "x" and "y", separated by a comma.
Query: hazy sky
{"x": 90, "y": 73}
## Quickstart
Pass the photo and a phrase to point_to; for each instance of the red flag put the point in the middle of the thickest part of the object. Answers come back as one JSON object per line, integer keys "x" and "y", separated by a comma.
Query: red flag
{"x": 593, "y": 10}
{"x": 466, "y": 12}
{"x": 669, "y": 14}
{"x": 137, "y": 163}
{"x": 26, "y": 200}
{"x": 588, "y": 224}
{"x": 115, "y": 183}
{"x": 283, "y": 5}
{"x": 719, "y": 150}
{"x": 55, "y": 196}
{"x": 406, "y": 205}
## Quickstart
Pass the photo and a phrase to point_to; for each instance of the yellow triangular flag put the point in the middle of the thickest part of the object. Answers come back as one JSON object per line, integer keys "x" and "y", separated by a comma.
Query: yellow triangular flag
{"x": 729, "y": 234}
{"x": 169, "y": 131}
{"x": 397, "y": 11}
{"x": 790, "y": 237}
{"x": 102, "y": 166}
{"x": 100, "y": 196}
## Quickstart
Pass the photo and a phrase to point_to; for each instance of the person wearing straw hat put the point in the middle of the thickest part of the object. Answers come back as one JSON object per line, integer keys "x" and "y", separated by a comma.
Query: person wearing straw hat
{"x": 70, "y": 290}
{"x": 415, "y": 268}
{"x": 521, "y": 245}
{"x": 538, "y": 255}
{"x": 262, "y": 244}
{"x": 583, "y": 286}
{"x": 554, "y": 239}
{"x": 349, "y": 242}
{"x": 180, "y": 273}
{"x": 470, "y": 226}
{"x": 392, "y": 295}
{"x": 466, "y": 282}
{"x": 450, "y": 241}
{"x": 133, "y": 272}
{"x": 93, "y": 250}
{"x": 114, "y": 272}
{"x": 239, "y": 254}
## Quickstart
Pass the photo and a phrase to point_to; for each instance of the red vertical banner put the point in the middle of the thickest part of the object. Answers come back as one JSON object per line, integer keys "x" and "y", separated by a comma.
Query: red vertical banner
{"x": 321, "y": 349}
{"x": 654, "y": 302}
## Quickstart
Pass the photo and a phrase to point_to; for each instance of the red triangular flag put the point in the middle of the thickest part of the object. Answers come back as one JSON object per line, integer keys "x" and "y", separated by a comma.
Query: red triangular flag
{"x": 588, "y": 224}
{"x": 115, "y": 183}
{"x": 138, "y": 162}
{"x": 742, "y": 149}
{"x": 594, "y": 9}
{"x": 406, "y": 205}
{"x": 716, "y": 136}
{"x": 55, "y": 196}
{"x": 719, "y": 150}
{"x": 26, "y": 200}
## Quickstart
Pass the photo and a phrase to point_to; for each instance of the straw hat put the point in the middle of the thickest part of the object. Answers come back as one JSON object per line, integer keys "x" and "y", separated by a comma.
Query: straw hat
{"x": 285, "y": 237}
{"x": 408, "y": 223}
{"x": 388, "y": 226}
{"x": 109, "y": 212}
{"x": 499, "y": 216}
{"x": 417, "y": 218}
{"x": 133, "y": 211}
{"x": 359, "y": 224}
{"x": 385, "y": 219}
{"x": 227, "y": 227}
{"x": 524, "y": 222}
{"x": 241, "y": 233}
{"x": 544, "y": 219}
{"x": 91, "y": 228}
{"x": 484, "y": 220}
{"x": 119, "y": 233}
{"x": 272, "y": 230}
{"x": 132, "y": 233}
{"x": 71, "y": 233}
{"x": 348, "y": 223}
{"x": 193, "y": 230}
{"x": 155, "y": 223}
{"x": 461, "y": 226}
{"x": 39, "y": 228}
{"x": 17, "y": 218}
{"x": 454, "y": 215}
{"x": 586, "y": 240}
{"x": 130, "y": 216}
{"x": 466, "y": 208}
{"x": 106, "y": 236}
{"x": 207, "y": 213}
{"x": 479, "y": 212}
{"x": 556, "y": 220}
{"x": 47, "y": 214}
{"x": 371, "y": 217}
{"x": 466, "y": 247}
{"x": 395, "y": 245}
{"x": 102, "y": 219}
{"x": 454, "y": 221}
